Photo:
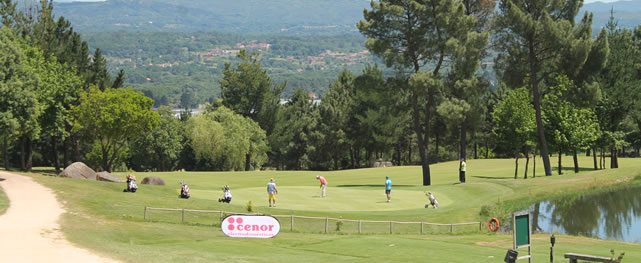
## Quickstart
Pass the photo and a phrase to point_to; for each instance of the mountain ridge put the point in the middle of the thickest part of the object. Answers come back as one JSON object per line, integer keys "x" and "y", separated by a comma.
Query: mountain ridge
{"x": 258, "y": 16}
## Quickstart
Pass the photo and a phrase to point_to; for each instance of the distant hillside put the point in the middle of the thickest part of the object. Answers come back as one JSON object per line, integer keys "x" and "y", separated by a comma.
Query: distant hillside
{"x": 254, "y": 16}
{"x": 238, "y": 16}
{"x": 627, "y": 12}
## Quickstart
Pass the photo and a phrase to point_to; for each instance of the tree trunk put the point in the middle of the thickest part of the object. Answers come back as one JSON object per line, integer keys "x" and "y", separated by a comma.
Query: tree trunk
{"x": 476, "y": 149}
{"x": 65, "y": 152}
{"x": 425, "y": 165}
{"x": 105, "y": 160}
{"x": 615, "y": 159}
{"x": 516, "y": 166}
{"x": 527, "y": 162}
{"x": 560, "y": 166}
{"x": 29, "y": 153}
{"x": 612, "y": 158}
{"x": 5, "y": 151}
{"x": 248, "y": 162}
{"x": 77, "y": 157}
{"x": 423, "y": 138}
{"x": 463, "y": 142}
{"x": 602, "y": 160}
{"x": 436, "y": 146}
{"x": 409, "y": 154}
{"x": 351, "y": 157}
{"x": 536, "y": 99}
{"x": 487, "y": 150}
{"x": 534, "y": 164}
{"x": 398, "y": 156}
{"x": 23, "y": 164}
{"x": 576, "y": 161}
{"x": 594, "y": 159}
{"x": 54, "y": 150}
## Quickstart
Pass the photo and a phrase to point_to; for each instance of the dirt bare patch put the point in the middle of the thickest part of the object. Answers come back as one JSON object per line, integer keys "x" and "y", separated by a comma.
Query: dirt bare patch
{"x": 30, "y": 228}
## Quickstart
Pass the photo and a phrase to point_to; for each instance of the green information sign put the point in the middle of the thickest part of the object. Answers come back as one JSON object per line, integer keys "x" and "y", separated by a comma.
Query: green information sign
{"x": 522, "y": 230}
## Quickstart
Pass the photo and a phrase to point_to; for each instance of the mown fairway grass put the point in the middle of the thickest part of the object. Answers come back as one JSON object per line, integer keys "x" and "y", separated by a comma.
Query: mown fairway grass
{"x": 103, "y": 218}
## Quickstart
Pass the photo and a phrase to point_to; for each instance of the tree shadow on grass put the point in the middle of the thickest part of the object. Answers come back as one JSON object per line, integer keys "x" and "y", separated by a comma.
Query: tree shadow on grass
{"x": 375, "y": 185}
{"x": 492, "y": 177}
{"x": 50, "y": 171}
{"x": 570, "y": 169}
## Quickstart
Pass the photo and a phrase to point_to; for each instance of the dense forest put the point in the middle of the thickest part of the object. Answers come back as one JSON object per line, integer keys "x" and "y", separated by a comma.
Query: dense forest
{"x": 560, "y": 89}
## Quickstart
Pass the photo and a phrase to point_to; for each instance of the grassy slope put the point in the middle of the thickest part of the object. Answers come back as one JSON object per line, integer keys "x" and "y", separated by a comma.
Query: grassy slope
{"x": 105, "y": 219}
{"x": 4, "y": 202}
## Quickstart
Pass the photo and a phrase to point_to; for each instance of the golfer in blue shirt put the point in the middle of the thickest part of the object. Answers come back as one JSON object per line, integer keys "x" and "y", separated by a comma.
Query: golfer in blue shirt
{"x": 388, "y": 188}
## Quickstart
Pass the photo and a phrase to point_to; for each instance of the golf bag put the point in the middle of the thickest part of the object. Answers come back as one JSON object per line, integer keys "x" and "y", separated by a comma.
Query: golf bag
{"x": 226, "y": 195}
{"x": 131, "y": 186}
{"x": 184, "y": 191}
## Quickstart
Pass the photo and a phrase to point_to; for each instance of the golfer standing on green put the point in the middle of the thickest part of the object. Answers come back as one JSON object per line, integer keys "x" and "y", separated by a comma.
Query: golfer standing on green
{"x": 388, "y": 188}
{"x": 323, "y": 185}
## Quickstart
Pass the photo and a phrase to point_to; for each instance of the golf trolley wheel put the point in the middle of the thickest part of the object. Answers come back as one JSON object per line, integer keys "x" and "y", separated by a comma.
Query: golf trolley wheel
{"x": 494, "y": 224}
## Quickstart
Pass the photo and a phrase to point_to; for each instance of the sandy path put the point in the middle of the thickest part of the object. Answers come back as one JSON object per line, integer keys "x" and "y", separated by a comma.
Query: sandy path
{"x": 29, "y": 230}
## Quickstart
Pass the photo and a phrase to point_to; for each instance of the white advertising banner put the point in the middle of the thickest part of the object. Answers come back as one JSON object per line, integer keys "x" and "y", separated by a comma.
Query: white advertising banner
{"x": 250, "y": 226}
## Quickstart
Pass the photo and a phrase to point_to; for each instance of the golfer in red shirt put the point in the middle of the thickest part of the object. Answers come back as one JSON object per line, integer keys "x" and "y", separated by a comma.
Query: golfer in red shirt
{"x": 323, "y": 185}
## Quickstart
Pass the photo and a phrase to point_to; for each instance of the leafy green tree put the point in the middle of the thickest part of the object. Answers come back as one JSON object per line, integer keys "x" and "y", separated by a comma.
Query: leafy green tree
{"x": 58, "y": 89}
{"x": 248, "y": 90}
{"x": 514, "y": 124}
{"x": 417, "y": 35}
{"x": 112, "y": 119}
{"x": 227, "y": 140}
{"x": 19, "y": 106}
{"x": 570, "y": 128}
{"x": 537, "y": 37}
{"x": 160, "y": 148}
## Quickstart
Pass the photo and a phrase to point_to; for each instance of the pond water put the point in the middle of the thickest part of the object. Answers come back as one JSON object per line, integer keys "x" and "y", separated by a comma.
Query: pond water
{"x": 612, "y": 215}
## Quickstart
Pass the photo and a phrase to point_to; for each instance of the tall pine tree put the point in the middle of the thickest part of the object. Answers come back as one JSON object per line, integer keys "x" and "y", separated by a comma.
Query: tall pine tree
{"x": 534, "y": 36}
{"x": 417, "y": 37}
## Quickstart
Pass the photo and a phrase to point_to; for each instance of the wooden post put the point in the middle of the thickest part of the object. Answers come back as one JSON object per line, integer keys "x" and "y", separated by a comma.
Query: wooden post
{"x": 390, "y": 227}
{"x": 480, "y": 226}
{"x": 182, "y": 218}
{"x": 326, "y": 224}
{"x": 421, "y": 228}
{"x": 291, "y": 224}
{"x": 145, "y": 214}
{"x": 451, "y": 228}
{"x": 359, "y": 226}
{"x": 221, "y": 217}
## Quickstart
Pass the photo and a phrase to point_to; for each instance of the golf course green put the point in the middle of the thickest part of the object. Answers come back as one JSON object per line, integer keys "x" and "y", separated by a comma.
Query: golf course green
{"x": 103, "y": 218}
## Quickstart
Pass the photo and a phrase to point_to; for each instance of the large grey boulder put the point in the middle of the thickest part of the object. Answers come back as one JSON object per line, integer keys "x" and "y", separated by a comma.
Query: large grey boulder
{"x": 378, "y": 164}
{"x": 79, "y": 170}
{"x": 153, "y": 180}
{"x": 107, "y": 177}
